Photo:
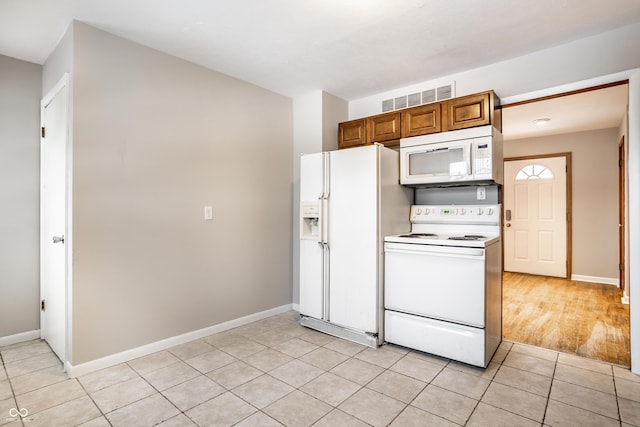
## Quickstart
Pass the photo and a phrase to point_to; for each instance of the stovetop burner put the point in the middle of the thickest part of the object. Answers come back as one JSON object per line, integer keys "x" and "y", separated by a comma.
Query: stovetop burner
{"x": 468, "y": 237}
{"x": 419, "y": 235}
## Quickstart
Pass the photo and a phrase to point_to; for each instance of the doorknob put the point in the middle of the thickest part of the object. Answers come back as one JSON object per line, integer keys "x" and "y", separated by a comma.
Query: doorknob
{"x": 507, "y": 225}
{"x": 58, "y": 239}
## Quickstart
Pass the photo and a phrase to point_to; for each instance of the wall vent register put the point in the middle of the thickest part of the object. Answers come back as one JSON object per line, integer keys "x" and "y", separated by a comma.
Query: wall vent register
{"x": 426, "y": 96}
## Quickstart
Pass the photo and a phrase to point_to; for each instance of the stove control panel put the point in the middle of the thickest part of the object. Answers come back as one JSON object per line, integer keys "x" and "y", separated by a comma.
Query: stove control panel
{"x": 477, "y": 214}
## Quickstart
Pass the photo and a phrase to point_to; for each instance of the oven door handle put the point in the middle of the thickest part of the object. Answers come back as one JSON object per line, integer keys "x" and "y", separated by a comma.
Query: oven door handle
{"x": 456, "y": 251}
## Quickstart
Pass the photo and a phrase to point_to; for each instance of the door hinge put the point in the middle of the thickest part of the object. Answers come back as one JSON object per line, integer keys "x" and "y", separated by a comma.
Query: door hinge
{"x": 621, "y": 267}
{"x": 42, "y": 131}
{"x": 42, "y": 305}
{"x": 619, "y": 163}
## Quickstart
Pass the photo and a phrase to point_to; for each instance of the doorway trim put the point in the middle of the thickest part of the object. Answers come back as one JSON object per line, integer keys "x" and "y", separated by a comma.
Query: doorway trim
{"x": 632, "y": 77}
{"x": 62, "y": 84}
{"x": 622, "y": 217}
{"x": 568, "y": 197}
{"x": 566, "y": 93}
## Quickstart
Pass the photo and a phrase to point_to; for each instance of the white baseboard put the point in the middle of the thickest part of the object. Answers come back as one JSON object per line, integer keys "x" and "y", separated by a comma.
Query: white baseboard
{"x": 295, "y": 307}
{"x": 21, "y": 337}
{"x": 593, "y": 279}
{"x": 134, "y": 353}
{"x": 625, "y": 299}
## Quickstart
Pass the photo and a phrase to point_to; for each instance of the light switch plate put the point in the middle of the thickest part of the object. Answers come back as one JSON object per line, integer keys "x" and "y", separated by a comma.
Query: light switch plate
{"x": 208, "y": 213}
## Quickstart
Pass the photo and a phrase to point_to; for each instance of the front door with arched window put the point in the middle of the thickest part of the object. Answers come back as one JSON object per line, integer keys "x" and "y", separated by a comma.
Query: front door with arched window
{"x": 535, "y": 216}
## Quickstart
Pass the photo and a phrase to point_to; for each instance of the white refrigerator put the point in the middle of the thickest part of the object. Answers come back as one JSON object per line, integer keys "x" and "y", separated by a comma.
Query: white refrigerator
{"x": 349, "y": 200}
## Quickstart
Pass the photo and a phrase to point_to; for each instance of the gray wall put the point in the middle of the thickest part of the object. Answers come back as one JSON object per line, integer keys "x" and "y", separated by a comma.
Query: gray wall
{"x": 155, "y": 139}
{"x": 594, "y": 157}
{"x": 20, "y": 86}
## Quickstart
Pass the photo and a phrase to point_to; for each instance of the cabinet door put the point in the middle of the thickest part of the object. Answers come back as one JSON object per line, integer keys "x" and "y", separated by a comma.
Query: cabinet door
{"x": 384, "y": 127}
{"x": 352, "y": 133}
{"x": 467, "y": 111}
{"x": 421, "y": 120}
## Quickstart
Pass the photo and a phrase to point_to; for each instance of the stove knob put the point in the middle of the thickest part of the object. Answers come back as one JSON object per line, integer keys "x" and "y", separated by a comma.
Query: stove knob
{"x": 480, "y": 211}
{"x": 418, "y": 211}
{"x": 427, "y": 211}
{"x": 490, "y": 211}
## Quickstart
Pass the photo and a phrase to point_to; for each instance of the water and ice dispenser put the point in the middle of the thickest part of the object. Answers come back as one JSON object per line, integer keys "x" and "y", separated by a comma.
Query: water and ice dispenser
{"x": 310, "y": 220}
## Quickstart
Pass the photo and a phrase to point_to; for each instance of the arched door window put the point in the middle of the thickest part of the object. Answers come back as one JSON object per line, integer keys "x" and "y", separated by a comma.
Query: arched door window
{"x": 534, "y": 172}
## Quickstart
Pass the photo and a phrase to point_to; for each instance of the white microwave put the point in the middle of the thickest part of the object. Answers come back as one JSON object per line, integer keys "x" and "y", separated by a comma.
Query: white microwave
{"x": 450, "y": 158}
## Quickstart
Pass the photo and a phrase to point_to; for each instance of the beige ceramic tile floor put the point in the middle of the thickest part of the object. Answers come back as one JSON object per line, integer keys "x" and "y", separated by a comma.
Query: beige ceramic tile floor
{"x": 275, "y": 372}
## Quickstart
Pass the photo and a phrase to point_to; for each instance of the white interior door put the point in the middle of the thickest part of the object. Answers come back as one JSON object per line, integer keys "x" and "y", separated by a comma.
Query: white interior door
{"x": 535, "y": 210}
{"x": 53, "y": 218}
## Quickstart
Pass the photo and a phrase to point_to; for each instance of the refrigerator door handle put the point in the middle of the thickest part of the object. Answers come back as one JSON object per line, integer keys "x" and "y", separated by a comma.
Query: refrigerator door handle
{"x": 323, "y": 194}
{"x": 325, "y": 282}
{"x": 324, "y": 225}
{"x": 327, "y": 175}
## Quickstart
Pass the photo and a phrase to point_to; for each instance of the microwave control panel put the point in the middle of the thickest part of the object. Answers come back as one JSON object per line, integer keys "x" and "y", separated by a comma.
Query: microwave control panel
{"x": 482, "y": 157}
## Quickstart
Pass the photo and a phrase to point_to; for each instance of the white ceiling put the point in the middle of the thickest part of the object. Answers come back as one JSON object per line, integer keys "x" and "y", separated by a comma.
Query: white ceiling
{"x": 597, "y": 109}
{"x": 350, "y": 48}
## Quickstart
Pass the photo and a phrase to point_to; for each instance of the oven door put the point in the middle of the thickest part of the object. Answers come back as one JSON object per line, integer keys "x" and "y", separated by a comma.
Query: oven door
{"x": 436, "y": 163}
{"x": 439, "y": 282}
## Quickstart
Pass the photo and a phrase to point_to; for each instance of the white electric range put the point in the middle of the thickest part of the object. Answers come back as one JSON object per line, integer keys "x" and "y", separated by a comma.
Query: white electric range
{"x": 443, "y": 283}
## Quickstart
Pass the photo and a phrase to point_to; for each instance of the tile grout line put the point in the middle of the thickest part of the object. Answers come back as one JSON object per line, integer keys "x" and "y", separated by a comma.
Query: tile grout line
{"x": 421, "y": 391}
{"x": 13, "y": 393}
{"x": 94, "y": 402}
{"x": 615, "y": 390}
{"x": 228, "y": 390}
{"x": 553, "y": 378}
{"x": 485, "y": 390}
{"x": 180, "y": 412}
{"x": 615, "y": 395}
{"x": 263, "y": 374}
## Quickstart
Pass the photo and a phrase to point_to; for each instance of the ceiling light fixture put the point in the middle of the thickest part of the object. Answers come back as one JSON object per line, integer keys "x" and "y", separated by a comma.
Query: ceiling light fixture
{"x": 542, "y": 121}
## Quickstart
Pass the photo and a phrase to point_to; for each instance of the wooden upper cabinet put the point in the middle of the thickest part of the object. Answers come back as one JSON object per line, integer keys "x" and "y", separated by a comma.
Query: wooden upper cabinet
{"x": 470, "y": 111}
{"x": 421, "y": 120}
{"x": 352, "y": 133}
{"x": 384, "y": 127}
{"x": 457, "y": 113}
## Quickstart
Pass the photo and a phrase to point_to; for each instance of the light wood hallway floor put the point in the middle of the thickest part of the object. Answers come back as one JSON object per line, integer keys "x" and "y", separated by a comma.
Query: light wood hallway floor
{"x": 586, "y": 319}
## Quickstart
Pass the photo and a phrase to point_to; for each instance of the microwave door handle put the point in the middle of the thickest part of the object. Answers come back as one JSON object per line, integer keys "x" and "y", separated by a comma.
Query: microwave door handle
{"x": 432, "y": 150}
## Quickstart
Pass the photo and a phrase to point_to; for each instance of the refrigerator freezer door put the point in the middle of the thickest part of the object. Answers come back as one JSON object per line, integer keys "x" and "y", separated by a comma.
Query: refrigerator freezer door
{"x": 353, "y": 238}
{"x": 311, "y": 250}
